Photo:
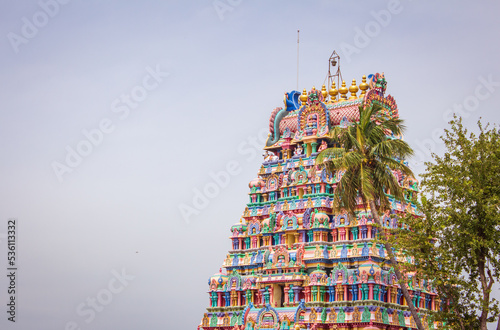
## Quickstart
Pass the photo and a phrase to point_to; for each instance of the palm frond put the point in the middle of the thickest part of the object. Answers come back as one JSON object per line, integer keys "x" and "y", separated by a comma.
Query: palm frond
{"x": 395, "y": 165}
{"x": 392, "y": 148}
{"x": 347, "y": 189}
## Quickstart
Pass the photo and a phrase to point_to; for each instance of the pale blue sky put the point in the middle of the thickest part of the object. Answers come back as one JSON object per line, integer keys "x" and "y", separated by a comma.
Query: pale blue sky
{"x": 218, "y": 77}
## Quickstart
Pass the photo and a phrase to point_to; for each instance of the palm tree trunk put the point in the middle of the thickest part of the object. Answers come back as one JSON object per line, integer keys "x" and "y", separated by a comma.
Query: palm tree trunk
{"x": 399, "y": 276}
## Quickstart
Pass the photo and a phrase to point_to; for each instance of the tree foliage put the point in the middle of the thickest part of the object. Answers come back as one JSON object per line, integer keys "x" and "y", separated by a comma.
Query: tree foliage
{"x": 457, "y": 241}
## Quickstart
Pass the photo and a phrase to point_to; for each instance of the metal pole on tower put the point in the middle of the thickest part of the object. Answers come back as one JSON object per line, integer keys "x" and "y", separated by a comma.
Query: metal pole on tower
{"x": 298, "y": 35}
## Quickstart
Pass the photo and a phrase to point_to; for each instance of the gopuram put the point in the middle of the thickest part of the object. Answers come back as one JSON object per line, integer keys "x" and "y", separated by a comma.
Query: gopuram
{"x": 297, "y": 263}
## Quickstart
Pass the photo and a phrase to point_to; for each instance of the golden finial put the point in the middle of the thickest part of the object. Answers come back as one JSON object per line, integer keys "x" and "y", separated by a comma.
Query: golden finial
{"x": 303, "y": 97}
{"x": 363, "y": 86}
{"x": 333, "y": 92}
{"x": 343, "y": 91}
{"x": 324, "y": 92}
{"x": 353, "y": 89}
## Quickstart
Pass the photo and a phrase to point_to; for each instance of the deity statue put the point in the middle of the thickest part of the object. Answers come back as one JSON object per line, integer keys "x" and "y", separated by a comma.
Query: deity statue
{"x": 323, "y": 146}
{"x": 298, "y": 150}
{"x": 269, "y": 156}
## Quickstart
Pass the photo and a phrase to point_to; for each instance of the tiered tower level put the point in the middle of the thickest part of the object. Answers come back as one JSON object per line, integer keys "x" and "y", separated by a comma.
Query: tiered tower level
{"x": 297, "y": 263}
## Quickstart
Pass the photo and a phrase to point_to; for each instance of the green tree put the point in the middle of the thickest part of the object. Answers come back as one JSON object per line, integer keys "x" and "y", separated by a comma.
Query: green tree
{"x": 457, "y": 241}
{"x": 368, "y": 154}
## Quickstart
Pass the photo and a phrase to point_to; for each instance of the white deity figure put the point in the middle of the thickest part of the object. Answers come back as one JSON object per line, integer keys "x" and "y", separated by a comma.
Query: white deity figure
{"x": 298, "y": 150}
{"x": 269, "y": 156}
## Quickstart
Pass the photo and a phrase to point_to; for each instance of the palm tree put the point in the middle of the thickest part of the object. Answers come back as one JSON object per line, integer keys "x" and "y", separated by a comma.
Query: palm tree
{"x": 368, "y": 154}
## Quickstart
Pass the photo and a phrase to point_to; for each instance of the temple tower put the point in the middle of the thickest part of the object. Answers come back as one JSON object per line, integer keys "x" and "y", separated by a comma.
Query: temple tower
{"x": 295, "y": 262}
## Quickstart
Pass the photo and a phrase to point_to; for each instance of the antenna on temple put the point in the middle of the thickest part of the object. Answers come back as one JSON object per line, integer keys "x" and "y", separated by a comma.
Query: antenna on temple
{"x": 298, "y": 35}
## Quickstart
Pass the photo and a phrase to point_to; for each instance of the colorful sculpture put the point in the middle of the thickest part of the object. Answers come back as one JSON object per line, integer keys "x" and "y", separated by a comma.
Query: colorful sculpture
{"x": 295, "y": 262}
